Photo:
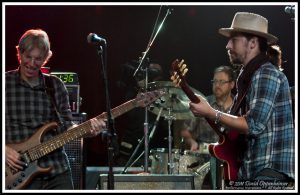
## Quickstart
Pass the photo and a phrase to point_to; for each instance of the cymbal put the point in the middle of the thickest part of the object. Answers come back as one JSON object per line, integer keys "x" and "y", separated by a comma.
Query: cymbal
{"x": 174, "y": 103}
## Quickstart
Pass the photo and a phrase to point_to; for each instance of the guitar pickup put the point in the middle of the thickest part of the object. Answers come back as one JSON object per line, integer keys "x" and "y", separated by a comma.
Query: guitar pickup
{"x": 26, "y": 159}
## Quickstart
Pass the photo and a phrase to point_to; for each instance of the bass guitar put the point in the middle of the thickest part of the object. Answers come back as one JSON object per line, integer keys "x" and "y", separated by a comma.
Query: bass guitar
{"x": 228, "y": 146}
{"x": 32, "y": 149}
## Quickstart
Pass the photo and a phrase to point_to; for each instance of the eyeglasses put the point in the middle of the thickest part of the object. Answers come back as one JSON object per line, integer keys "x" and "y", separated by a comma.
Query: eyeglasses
{"x": 220, "y": 82}
{"x": 38, "y": 60}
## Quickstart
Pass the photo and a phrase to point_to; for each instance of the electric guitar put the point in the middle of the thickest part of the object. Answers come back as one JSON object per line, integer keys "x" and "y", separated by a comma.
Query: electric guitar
{"x": 228, "y": 146}
{"x": 32, "y": 149}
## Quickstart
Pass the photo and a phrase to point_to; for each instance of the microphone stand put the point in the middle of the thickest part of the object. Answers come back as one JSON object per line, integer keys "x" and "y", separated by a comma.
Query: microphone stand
{"x": 111, "y": 134}
{"x": 146, "y": 127}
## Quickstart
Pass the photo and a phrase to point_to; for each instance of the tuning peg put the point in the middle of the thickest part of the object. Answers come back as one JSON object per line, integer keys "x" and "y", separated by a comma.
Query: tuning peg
{"x": 182, "y": 67}
{"x": 173, "y": 78}
{"x": 185, "y": 71}
{"x": 178, "y": 81}
{"x": 181, "y": 62}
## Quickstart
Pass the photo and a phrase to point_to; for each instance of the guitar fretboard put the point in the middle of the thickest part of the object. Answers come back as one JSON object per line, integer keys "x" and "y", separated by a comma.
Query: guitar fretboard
{"x": 75, "y": 133}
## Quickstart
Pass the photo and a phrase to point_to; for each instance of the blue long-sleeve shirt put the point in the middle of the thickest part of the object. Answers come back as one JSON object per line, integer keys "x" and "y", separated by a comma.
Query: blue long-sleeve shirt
{"x": 271, "y": 139}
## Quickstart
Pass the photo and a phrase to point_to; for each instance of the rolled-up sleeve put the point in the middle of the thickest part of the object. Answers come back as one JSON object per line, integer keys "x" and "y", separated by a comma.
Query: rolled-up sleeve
{"x": 262, "y": 97}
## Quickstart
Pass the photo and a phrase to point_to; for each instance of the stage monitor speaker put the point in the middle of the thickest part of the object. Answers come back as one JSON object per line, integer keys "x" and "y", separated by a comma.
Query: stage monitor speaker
{"x": 148, "y": 182}
{"x": 74, "y": 150}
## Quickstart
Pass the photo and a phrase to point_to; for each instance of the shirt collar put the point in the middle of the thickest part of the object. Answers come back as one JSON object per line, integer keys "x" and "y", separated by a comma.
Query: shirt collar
{"x": 20, "y": 81}
{"x": 214, "y": 102}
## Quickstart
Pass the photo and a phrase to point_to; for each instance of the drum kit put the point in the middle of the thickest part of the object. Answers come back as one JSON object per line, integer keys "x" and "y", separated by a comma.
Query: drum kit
{"x": 175, "y": 106}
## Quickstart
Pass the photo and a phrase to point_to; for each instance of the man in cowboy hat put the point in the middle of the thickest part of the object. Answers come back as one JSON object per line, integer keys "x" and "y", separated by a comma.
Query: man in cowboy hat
{"x": 262, "y": 110}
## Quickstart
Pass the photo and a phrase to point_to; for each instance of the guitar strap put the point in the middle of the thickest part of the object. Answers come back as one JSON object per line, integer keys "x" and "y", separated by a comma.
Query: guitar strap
{"x": 244, "y": 82}
{"x": 50, "y": 92}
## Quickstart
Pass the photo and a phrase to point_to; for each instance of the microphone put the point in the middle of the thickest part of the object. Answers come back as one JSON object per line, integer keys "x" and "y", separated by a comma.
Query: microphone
{"x": 290, "y": 10}
{"x": 95, "y": 39}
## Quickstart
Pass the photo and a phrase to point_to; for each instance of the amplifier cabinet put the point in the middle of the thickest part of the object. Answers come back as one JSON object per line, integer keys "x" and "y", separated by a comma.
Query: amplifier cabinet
{"x": 74, "y": 150}
{"x": 148, "y": 182}
{"x": 72, "y": 83}
{"x": 74, "y": 97}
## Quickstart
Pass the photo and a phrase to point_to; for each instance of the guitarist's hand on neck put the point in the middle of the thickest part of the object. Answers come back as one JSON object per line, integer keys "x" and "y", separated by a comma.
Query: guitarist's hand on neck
{"x": 97, "y": 125}
{"x": 203, "y": 109}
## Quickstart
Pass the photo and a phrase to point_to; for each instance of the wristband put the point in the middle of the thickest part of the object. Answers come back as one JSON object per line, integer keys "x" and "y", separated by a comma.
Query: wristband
{"x": 218, "y": 116}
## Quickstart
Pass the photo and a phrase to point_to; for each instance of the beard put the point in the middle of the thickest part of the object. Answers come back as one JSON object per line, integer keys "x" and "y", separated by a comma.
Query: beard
{"x": 221, "y": 92}
{"x": 233, "y": 57}
{"x": 218, "y": 92}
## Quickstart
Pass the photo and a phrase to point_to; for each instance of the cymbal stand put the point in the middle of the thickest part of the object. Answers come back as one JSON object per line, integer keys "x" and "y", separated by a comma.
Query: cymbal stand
{"x": 139, "y": 144}
{"x": 170, "y": 118}
{"x": 133, "y": 155}
{"x": 151, "y": 41}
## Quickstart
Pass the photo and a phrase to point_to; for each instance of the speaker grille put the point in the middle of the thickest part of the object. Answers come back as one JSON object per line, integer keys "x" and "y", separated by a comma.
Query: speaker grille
{"x": 74, "y": 151}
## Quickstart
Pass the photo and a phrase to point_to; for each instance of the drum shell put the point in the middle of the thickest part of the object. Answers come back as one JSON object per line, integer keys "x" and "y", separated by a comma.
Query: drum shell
{"x": 201, "y": 175}
{"x": 159, "y": 160}
{"x": 197, "y": 164}
{"x": 190, "y": 161}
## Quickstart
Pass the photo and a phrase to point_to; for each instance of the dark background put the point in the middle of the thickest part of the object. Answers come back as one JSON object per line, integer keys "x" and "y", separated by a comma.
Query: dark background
{"x": 190, "y": 33}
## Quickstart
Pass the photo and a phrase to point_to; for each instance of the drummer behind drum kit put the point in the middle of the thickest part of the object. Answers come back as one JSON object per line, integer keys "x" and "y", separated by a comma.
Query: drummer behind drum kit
{"x": 174, "y": 105}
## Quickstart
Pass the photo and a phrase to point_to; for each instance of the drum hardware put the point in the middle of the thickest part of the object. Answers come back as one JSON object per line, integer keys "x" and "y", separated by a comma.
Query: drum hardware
{"x": 170, "y": 118}
{"x": 141, "y": 63}
{"x": 139, "y": 144}
{"x": 160, "y": 161}
{"x": 174, "y": 106}
{"x": 203, "y": 148}
{"x": 174, "y": 99}
{"x": 182, "y": 146}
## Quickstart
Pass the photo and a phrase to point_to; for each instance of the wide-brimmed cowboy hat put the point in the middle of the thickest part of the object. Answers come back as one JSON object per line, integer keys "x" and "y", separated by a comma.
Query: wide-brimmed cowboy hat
{"x": 251, "y": 23}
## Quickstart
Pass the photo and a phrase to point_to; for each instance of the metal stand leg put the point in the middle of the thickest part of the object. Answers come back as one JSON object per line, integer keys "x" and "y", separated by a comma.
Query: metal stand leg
{"x": 170, "y": 139}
